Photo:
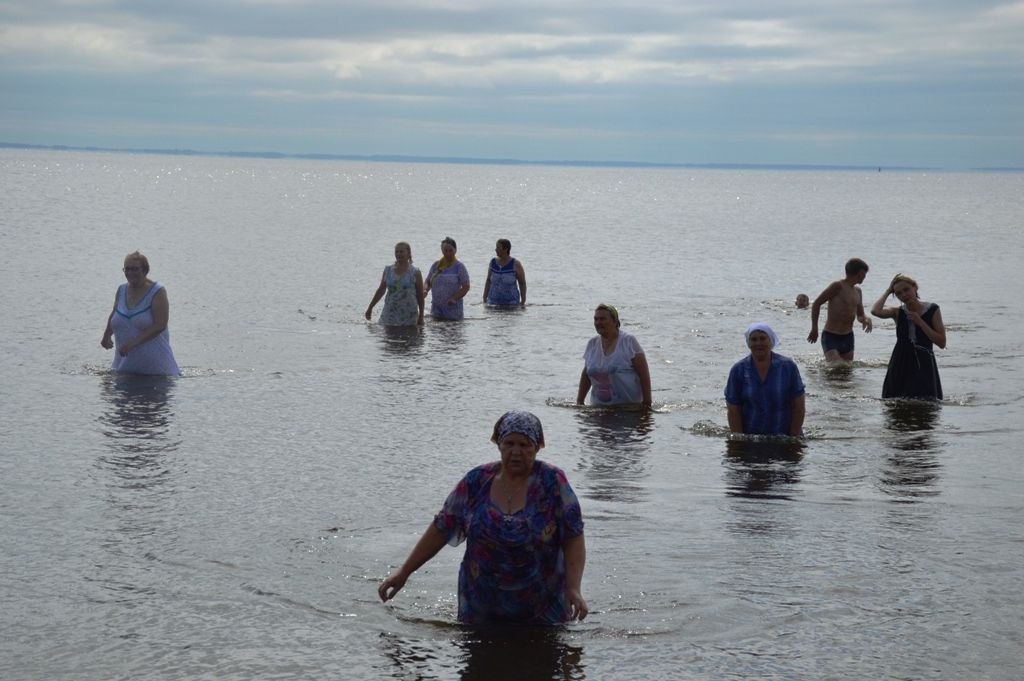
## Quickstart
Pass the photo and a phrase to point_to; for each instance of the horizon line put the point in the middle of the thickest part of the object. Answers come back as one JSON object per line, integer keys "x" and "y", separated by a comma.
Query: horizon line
{"x": 406, "y": 158}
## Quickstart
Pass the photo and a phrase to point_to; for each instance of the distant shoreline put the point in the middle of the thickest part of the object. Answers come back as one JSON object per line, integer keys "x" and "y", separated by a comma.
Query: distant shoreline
{"x": 381, "y": 158}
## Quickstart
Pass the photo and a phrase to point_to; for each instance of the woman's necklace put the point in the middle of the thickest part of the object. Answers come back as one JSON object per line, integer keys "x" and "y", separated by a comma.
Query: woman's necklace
{"x": 509, "y": 493}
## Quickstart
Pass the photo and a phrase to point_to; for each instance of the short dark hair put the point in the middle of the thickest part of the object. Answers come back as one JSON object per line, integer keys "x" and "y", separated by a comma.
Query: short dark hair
{"x": 449, "y": 240}
{"x": 506, "y": 244}
{"x": 856, "y": 266}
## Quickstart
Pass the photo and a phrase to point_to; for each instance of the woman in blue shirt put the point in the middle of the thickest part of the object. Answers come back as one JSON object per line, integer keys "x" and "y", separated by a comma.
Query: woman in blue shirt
{"x": 765, "y": 394}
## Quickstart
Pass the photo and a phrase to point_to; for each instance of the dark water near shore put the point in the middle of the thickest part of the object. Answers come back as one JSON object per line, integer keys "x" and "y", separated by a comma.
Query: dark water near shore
{"x": 234, "y": 523}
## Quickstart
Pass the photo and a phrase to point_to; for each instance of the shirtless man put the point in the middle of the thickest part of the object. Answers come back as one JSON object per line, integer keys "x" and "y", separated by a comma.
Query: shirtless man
{"x": 844, "y": 305}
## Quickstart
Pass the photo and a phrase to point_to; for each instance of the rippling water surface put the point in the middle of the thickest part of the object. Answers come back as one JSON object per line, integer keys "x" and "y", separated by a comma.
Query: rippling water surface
{"x": 234, "y": 523}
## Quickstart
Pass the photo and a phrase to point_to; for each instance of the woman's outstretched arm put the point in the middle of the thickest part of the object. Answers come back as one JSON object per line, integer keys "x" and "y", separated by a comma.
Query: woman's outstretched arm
{"x": 426, "y": 548}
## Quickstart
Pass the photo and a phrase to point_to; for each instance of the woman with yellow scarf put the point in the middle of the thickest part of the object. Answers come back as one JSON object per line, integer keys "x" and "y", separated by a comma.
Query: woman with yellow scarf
{"x": 448, "y": 283}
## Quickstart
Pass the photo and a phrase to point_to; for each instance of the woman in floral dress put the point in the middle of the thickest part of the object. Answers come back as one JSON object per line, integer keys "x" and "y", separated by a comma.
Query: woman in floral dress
{"x": 523, "y": 529}
{"x": 403, "y": 284}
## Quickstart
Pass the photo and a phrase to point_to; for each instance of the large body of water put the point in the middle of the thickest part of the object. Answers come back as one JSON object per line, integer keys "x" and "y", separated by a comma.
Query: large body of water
{"x": 234, "y": 523}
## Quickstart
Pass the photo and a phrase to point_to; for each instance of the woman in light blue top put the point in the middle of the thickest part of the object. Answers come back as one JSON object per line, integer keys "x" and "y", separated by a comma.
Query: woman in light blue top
{"x": 448, "y": 283}
{"x": 137, "y": 326}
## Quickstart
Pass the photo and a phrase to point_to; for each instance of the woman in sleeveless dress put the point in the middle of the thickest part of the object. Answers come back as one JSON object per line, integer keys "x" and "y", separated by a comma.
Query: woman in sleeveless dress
{"x": 137, "y": 326}
{"x": 912, "y": 371}
{"x": 403, "y": 283}
{"x": 506, "y": 279}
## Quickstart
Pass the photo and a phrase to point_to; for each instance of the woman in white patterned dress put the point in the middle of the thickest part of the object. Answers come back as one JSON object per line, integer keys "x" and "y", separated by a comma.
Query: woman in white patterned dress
{"x": 403, "y": 284}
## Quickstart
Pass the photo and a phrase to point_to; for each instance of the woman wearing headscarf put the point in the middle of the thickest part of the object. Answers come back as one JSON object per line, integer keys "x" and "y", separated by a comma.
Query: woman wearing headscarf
{"x": 523, "y": 530}
{"x": 765, "y": 394}
{"x": 448, "y": 283}
{"x": 615, "y": 367}
{"x": 912, "y": 371}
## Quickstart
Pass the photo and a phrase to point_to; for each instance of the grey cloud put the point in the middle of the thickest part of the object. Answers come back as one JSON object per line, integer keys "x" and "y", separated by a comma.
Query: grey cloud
{"x": 785, "y": 71}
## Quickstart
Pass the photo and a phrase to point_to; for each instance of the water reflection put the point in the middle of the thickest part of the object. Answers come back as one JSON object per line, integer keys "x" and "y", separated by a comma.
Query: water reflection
{"x": 762, "y": 467}
{"x": 839, "y": 374}
{"x": 911, "y": 470}
{"x": 493, "y": 653}
{"x": 615, "y": 445}
{"x": 908, "y": 416}
{"x": 504, "y": 310}
{"x": 516, "y": 653}
{"x": 137, "y": 419}
{"x": 138, "y": 424}
{"x": 398, "y": 363}
{"x": 399, "y": 340}
{"x": 423, "y": 659}
{"x": 446, "y": 336}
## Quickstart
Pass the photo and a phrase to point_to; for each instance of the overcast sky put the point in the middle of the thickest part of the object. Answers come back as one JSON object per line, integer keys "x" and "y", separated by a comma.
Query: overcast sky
{"x": 936, "y": 83}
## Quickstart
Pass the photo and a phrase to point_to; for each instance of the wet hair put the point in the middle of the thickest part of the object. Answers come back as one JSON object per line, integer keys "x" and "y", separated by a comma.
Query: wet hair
{"x": 449, "y": 240}
{"x": 855, "y": 266}
{"x": 506, "y": 244}
{"x": 407, "y": 247}
{"x": 139, "y": 258}
{"x": 610, "y": 310}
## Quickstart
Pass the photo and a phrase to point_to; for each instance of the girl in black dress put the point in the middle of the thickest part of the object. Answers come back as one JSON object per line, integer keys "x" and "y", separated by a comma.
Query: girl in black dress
{"x": 912, "y": 370}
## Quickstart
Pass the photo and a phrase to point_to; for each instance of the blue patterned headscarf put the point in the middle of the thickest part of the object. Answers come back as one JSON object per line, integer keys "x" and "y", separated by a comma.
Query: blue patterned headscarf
{"x": 519, "y": 422}
{"x": 761, "y": 326}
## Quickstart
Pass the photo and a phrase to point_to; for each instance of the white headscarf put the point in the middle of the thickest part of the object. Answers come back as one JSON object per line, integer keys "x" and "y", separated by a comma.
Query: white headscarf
{"x": 761, "y": 326}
